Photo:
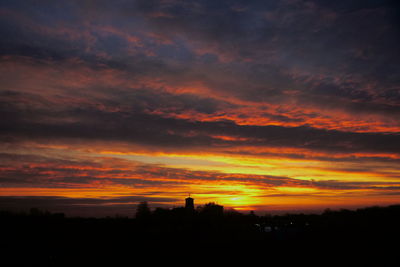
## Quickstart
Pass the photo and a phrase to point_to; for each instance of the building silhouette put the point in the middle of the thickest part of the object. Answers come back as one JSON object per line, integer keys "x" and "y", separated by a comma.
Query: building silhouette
{"x": 189, "y": 204}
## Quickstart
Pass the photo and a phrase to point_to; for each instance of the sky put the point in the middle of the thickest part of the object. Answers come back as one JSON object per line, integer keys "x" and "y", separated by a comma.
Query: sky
{"x": 280, "y": 105}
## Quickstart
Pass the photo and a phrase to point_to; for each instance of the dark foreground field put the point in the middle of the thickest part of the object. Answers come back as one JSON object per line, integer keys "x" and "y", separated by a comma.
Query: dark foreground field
{"x": 342, "y": 238}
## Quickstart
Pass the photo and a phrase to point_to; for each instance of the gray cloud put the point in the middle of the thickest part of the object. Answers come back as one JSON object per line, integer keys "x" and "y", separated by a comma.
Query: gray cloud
{"x": 140, "y": 127}
{"x": 335, "y": 41}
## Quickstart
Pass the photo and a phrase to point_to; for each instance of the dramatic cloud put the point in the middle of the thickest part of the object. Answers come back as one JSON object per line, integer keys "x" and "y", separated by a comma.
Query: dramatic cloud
{"x": 223, "y": 99}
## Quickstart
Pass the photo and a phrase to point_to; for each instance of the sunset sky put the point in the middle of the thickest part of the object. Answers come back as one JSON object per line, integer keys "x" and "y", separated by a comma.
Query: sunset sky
{"x": 279, "y": 105}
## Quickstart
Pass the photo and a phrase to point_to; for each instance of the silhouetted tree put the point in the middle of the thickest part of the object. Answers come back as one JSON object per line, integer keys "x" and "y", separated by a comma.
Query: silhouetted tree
{"x": 212, "y": 210}
{"x": 160, "y": 214}
{"x": 143, "y": 210}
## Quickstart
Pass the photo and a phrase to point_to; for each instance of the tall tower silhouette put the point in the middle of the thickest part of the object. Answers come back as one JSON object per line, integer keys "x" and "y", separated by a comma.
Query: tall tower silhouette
{"x": 189, "y": 203}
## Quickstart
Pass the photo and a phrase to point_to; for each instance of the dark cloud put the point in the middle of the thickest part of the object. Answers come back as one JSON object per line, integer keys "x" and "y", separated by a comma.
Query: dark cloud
{"x": 342, "y": 185}
{"x": 49, "y": 172}
{"x": 356, "y": 5}
{"x": 342, "y": 41}
{"x": 139, "y": 127}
